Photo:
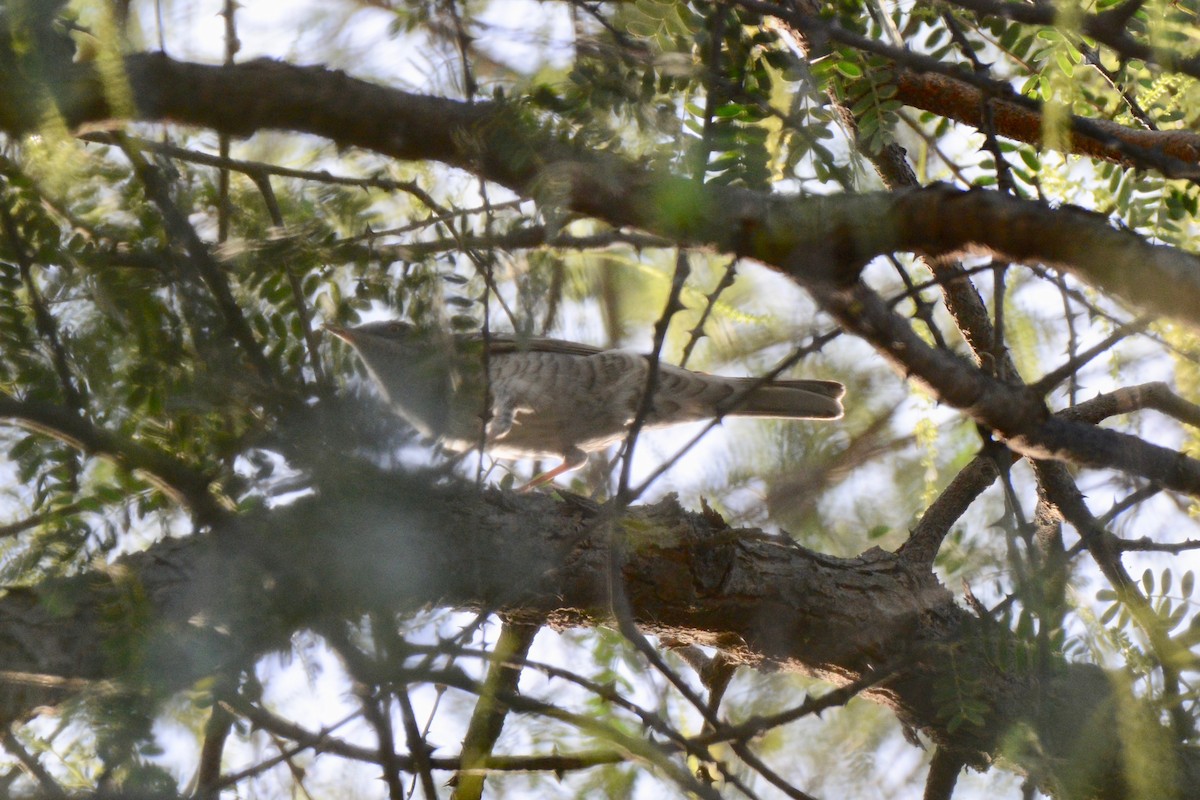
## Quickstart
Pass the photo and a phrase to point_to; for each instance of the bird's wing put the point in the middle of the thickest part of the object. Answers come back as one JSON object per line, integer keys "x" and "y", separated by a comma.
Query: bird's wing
{"x": 507, "y": 343}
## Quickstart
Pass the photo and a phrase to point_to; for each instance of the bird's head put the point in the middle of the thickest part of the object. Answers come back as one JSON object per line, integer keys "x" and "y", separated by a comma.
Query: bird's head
{"x": 374, "y": 333}
{"x": 407, "y": 364}
{"x": 389, "y": 349}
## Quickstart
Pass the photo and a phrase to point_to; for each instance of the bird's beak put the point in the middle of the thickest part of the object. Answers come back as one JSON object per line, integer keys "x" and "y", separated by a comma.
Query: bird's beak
{"x": 340, "y": 332}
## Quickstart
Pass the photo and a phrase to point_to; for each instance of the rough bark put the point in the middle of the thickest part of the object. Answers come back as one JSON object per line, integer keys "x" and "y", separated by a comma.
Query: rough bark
{"x": 380, "y": 542}
{"x": 814, "y": 239}
{"x": 244, "y": 587}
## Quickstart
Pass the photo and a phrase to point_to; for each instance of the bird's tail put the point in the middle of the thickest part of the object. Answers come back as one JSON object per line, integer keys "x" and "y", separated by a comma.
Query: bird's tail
{"x": 787, "y": 399}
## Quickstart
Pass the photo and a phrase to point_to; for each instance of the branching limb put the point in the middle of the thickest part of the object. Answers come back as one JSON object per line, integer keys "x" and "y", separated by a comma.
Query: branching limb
{"x": 200, "y": 260}
{"x": 287, "y": 753}
{"x": 375, "y": 710}
{"x": 757, "y": 725}
{"x": 416, "y": 745}
{"x": 1067, "y": 501}
{"x": 1054, "y": 377}
{"x": 728, "y": 275}
{"x": 1156, "y": 395}
{"x": 943, "y": 775}
{"x": 1129, "y": 501}
{"x": 398, "y": 542}
{"x": 488, "y": 140}
{"x": 1013, "y": 412}
{"x": 1146, "y": 545}
{"x": 626, "y": 623}
{"x": 323, "y": 741}
{"x": 487, "y": 720}
{"x": 926, "y": 538}
{"x": 178, "y": 480}
{"x": 934, "y": 85}
{"x": 253, "y": 169}
{"x": 216, "y": 732}
{"x": 646, "y": 400}
{"x": 30, "y": 764}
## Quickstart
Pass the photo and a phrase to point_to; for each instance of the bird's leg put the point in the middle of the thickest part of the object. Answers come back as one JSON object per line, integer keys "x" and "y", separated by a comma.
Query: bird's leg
{"x": 572, "y": 459}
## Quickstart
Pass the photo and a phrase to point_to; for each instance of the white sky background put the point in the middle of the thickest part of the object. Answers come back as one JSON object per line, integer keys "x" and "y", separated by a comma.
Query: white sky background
{"x": 312, "y": 689}
{"x": 523, "y": 33}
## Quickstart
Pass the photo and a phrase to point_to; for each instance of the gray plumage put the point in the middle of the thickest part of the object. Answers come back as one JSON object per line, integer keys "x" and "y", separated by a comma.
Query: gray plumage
{"x": 555, "y": 399}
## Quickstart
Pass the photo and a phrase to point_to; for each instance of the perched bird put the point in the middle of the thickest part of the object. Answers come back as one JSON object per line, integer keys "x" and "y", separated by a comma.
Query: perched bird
{"x": 555, "y": 399}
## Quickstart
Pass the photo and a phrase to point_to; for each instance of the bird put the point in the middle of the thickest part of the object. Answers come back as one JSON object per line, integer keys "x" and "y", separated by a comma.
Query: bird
{"x": 552, "y": 399}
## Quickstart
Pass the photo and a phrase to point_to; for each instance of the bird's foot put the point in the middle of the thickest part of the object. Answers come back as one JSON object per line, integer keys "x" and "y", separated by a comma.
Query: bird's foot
{"x": 572, "y": 460}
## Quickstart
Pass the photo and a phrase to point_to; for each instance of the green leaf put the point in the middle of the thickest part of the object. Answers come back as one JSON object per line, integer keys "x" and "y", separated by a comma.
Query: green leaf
{"x": 849, "y": 69}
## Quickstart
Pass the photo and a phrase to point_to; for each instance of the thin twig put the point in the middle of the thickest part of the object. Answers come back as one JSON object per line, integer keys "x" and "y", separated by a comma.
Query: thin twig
{"x": 728, "y": 276}
{"x": 646, "y": 404}
{"x": 30, "y": 764}
{"x": 47, "y": 326}
{"x": 198, "y": 257}
{"x": 1077, "y": 361}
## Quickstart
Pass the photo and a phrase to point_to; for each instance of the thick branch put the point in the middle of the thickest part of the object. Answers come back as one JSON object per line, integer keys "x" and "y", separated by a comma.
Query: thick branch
{"x": 392, "y": 542}
{"x": 1023, "y": 121}
{"x": 505, "y": 145}
{"x": 1015, "y": 412}
{"x": 931, "y": 84}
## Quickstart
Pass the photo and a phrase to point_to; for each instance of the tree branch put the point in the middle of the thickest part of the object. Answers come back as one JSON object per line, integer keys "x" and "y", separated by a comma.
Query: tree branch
{"x": 817, "y": 240}
{"x": 180, "y": 481}
{"x": 497, "y": 142}
{"x": 379, "y": 541}
{"x": 1014, "y": 412}
{"x": 487, "y": 720}
{"x": 1109, "y": 27}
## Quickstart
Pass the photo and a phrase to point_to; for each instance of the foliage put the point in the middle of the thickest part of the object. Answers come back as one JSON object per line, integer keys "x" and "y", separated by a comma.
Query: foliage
{"x": 163, "y": 372}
